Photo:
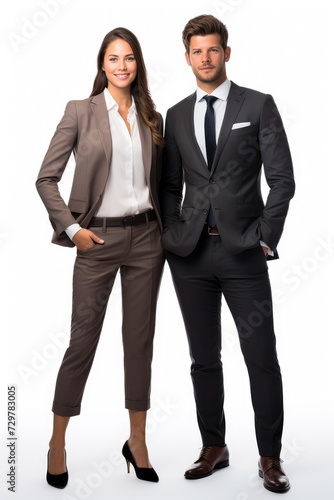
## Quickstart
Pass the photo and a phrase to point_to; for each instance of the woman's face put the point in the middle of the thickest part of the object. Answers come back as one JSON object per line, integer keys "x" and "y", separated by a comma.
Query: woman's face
{"x": 119, "y": 65}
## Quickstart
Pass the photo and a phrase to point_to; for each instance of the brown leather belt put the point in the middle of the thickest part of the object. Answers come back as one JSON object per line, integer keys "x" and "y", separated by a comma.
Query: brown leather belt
{"x": 129, "y": 220}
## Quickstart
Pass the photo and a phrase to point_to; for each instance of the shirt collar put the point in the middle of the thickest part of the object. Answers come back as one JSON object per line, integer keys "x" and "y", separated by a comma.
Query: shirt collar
{"x": 112, "y": 104}
{"x": 220, "y": 92}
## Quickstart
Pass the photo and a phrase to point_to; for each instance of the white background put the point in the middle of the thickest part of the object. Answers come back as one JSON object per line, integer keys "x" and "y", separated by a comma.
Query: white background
{"x": 49, "y": 50}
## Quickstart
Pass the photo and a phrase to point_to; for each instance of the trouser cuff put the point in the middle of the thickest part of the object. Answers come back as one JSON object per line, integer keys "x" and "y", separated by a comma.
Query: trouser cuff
{"x": 137, "y": 405}
{"x": 65, "y": 411}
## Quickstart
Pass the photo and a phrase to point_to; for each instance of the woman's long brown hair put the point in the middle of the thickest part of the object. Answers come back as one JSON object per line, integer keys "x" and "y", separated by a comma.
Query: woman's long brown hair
{"x": 139, "y": 87}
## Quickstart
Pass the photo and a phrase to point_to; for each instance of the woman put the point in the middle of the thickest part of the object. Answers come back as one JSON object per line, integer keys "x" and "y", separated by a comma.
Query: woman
{"x": 112, "y": 217}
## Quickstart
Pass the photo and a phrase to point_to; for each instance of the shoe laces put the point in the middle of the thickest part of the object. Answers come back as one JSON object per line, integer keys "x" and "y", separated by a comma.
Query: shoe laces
{"x": 204, "y": 453}
{"x": 275, "y": 464}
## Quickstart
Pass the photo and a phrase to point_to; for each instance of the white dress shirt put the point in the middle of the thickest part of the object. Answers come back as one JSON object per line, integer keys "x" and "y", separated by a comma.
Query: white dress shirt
{"x": 126, "y": 191}
{"x": 219, "y": 106}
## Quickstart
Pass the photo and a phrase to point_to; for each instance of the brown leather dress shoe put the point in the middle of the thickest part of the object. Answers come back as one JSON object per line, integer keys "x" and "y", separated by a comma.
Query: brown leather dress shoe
{"x": 210, "y": 459}
{"x": 274, "y": 478}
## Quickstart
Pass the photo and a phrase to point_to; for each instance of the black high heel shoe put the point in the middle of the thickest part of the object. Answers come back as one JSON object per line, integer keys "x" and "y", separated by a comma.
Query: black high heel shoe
{"x": 144, "y": 473}
{"x": 57, "y": 480}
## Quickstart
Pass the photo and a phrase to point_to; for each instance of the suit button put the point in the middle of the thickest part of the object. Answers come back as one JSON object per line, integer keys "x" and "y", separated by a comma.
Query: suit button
{"x": 205, "y": 212}
{"x": 212, "y": 181}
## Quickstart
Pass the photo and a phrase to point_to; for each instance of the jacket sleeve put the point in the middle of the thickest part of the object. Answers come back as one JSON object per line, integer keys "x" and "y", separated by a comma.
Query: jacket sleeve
{"x": 171, "y": 185}
{"x": 61, "y": 146}
{"x": 278, "y": 171}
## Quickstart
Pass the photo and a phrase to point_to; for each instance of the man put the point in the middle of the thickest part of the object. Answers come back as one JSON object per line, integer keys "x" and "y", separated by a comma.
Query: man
{"x": 218, "y": 238}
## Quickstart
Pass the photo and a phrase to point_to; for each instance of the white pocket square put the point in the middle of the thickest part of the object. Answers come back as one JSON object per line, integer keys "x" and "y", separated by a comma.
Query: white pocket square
{"x": 240, "y": 125}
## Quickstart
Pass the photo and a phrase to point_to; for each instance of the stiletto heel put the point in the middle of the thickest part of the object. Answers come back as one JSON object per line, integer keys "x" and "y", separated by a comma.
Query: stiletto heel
{"x": 144, "y": 473}
{"x": 56, "y": 480}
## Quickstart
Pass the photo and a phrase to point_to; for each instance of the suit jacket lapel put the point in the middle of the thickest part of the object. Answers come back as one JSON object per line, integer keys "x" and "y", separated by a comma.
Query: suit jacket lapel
{"x": 101, "y": 117}
{"x": 148, "y": 151}
{"x": 190, "y": 127}
{"x": 100, "y": 112}
{"x": 234, "y": 102}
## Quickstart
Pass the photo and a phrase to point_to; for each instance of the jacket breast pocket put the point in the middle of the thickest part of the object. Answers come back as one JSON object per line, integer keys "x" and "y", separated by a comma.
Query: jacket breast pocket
{"x": 246, "y": 130}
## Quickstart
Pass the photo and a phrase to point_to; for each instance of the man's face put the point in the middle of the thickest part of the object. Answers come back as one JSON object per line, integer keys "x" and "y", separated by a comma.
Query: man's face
{"x": 207, "y": 59}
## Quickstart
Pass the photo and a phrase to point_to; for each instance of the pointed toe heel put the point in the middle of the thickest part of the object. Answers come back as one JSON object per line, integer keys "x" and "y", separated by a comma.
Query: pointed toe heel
{"x": 56, "y": 480}
{"x": 144, "y": 473}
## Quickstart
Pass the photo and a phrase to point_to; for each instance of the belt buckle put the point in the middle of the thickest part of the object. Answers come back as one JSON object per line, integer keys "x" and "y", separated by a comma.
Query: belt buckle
{"x": 213, "y": 231}
{"x": 129, "y": 220}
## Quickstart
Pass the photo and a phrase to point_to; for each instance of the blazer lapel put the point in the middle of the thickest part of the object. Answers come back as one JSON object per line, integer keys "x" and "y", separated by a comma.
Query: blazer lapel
{"x": 148, "y": 152}
{"x": 101, "y": 117}
{"x": 100, "y": 112}
{"x": 234, "y": 102}
{"x": 189, "y": 127}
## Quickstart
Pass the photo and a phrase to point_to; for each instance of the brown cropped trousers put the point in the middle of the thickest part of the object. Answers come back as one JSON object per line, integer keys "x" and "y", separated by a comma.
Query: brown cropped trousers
{"x": 136, "y": 252}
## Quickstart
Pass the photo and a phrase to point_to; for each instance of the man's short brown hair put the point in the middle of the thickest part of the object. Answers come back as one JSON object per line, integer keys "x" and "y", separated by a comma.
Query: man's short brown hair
{"x": 204, "y": 25}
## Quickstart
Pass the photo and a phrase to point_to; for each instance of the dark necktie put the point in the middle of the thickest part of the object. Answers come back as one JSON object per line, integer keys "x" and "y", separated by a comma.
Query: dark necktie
{"x": 210, "y": 140}
{"x": 210, "y": 129}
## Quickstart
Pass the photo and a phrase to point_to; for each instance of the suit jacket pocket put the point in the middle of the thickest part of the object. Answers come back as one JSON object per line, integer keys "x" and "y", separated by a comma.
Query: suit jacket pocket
{"x": 250, "y": 129}
{"x": 77, "y": 206}
{"x": 250, "y": 210}
{"x": 186, "y": 213}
